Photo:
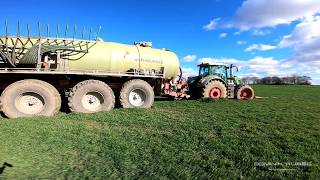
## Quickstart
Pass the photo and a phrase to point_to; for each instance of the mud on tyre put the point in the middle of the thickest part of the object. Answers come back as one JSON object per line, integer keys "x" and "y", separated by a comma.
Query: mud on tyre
{"x": 245, "y": 93}
{"x": 91, "y": 96}
{"x": 136, "y": 94}
{"x": 214, "y": 90}
{"x": 30, "y": 97}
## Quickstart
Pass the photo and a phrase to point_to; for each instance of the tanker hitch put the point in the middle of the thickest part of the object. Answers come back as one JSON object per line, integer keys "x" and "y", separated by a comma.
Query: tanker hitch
{"x": 178, "y": 90}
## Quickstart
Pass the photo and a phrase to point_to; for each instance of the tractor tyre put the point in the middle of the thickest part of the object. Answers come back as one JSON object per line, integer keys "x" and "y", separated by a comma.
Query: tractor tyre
{"x": 30, "y": 97}
{"x": 214, "y": 90}
{"x": 245, "y": 93}
{"x": 91, "y": 96}
{"x": 136, "y": 94}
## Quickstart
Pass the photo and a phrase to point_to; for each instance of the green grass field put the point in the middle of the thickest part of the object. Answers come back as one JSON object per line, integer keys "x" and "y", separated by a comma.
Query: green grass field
{"x": 175, "y": 139}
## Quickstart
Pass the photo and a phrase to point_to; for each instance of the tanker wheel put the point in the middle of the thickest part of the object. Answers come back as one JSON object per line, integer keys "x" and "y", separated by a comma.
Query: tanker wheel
{"x": 215, "y": 90}
{"x": 30, "y": 97}
{"x": 245, "y": 93}
{"x": 136, "y": 94}
{"x": 91, "y": 96}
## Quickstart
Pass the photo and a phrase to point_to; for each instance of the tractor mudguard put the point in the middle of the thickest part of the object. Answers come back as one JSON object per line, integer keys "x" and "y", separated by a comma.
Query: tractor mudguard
{"x": 205, "y": 80}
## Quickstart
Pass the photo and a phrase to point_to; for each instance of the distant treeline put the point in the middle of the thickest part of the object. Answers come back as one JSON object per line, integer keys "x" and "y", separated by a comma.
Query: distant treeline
{"x": 274, "y": 80}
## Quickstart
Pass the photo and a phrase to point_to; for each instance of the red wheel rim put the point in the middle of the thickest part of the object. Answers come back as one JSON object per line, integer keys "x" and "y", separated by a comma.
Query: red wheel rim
{"x": 246, "y": 94}
{"x": 215, "y": 93}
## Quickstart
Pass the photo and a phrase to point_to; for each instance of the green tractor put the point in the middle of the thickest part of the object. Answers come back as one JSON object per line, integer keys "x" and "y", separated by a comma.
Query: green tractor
{"x": 217, "y": 81}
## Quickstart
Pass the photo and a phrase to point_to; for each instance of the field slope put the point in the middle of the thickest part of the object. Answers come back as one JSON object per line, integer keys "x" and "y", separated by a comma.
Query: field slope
{"x": 273, "y": 137}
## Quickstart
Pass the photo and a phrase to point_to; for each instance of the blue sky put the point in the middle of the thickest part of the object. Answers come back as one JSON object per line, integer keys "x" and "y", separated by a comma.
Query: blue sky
{"x": 264, "y": 37}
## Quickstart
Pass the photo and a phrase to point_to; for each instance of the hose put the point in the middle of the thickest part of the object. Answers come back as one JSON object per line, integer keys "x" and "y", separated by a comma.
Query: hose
{"x": 7, "y": 59}
{"x": 180, "y": 77}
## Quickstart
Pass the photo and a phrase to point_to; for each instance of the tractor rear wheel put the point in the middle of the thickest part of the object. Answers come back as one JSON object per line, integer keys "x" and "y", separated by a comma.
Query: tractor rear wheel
{"x": 215, "y": 90}
{"x": 136, "y": 94}
{"x": 245, "y": 93}
{"x": 30, "y": 97}
{"x": 91, "y": 96}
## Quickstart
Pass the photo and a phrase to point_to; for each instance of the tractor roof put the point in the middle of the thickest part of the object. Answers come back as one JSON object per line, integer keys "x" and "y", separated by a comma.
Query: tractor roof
{"x": 213, "y": 64}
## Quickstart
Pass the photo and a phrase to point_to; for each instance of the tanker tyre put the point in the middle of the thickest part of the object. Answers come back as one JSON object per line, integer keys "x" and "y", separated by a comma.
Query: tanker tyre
{"x": 30, "y": 97}
{"x": 91, "y": 96}
{"x": 136, "y": 94}
{"x": 245, "y": 93}
{"x": 214, "y": 90}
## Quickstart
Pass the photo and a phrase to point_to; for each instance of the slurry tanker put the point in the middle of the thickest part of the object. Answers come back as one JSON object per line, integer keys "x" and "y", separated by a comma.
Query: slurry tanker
{"x": 38, "y": 73}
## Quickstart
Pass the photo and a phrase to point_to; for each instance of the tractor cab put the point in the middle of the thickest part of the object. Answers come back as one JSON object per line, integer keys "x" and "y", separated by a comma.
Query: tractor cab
{"x": 221, "y": 70}
{"x": 207, "y": 69}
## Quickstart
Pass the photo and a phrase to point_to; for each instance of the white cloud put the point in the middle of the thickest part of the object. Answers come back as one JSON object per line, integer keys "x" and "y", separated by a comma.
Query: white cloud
{"x": 190, "y": 58}
{"x": 223, "y": 35}
{"x": 212, "y": 25}
{"x": 237, "y": 33}
{"x": 241, "y": 42}
{"x": 303, "y": 32}
{"x": 258, "y": 32}
{"x": 260, "y": 47}
{"x": 270, "y": 13}
{"x": 308, "y": 51}
{"x": 259, "y": 65}
{"x": 257, "y": 14}
{"x": 219, "y": 60}
{"x": 305, "y": 40}
{"x": 260, "y": 17}
{"x": 187, "y": 72}
{"x": 315, "y": 81}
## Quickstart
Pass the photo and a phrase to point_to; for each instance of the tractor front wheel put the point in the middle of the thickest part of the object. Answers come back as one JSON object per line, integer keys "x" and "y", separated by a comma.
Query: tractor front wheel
{"x": 215, "y": 90}
{"x": 245, "y": 93}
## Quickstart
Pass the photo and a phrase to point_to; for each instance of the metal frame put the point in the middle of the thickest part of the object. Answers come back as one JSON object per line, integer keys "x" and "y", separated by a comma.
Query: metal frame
{"x": 75, "y": 72}
{"x": 70, "y": 46}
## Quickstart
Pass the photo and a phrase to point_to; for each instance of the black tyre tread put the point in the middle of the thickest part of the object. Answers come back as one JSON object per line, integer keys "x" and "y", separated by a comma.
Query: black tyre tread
{"x": 82, "y": 83}
{"x": 123, "y": 96}
{"x": 210, "y": 84}
{"x": 29, "y": 82}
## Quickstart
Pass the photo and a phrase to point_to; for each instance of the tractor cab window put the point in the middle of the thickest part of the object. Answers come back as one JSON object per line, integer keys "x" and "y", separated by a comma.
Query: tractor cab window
{"x": 204, "y": 71}
{"x": 220, "y": 71}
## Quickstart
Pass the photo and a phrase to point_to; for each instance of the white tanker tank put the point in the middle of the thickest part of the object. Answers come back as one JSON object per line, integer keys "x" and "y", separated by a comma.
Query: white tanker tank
{"x": 88, "y": 56}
